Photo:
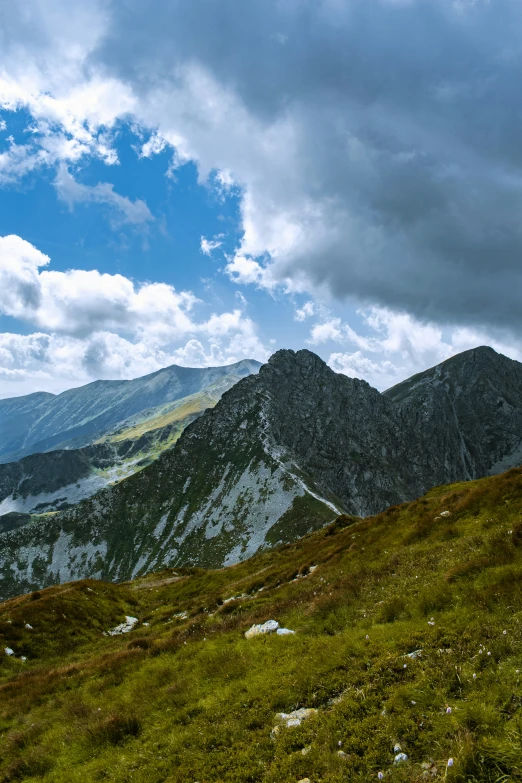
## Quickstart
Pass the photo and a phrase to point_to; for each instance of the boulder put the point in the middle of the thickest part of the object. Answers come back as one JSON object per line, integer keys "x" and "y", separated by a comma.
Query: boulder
{"x": 259, "y": 630}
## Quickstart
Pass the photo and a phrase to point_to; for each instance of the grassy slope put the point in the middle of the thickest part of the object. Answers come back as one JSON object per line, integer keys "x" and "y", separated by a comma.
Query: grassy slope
{"x": 187, "y": 699}
{"x": 179, "y": 412}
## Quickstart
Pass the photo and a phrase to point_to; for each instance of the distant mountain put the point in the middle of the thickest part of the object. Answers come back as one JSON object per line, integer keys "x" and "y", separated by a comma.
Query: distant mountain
{"x": 57, "y": 479}
{"x": 42, "y": 422}
{"x": 281, "y": 454}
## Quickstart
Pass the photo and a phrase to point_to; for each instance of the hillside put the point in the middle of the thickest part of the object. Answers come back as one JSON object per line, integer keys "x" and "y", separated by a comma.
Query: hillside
{"x": 407, "y": 641}
{"x": 281, "y": 454}
{"x": 77, "y": 417}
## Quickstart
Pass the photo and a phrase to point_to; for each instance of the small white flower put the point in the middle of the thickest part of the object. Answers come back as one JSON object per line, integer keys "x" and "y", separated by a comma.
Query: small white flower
{"x": 380, "y": 776}
{"x": 414, "y": 702}
{"x": 474, "y": 676}
{"x": 504, "y": 632}
{"x": 405, "y": 666}
{"x": 448, "y": 710}
{"x": 489, "y": 653}
{"x": 450, "y": 762}
{"x": 367, "y": 636}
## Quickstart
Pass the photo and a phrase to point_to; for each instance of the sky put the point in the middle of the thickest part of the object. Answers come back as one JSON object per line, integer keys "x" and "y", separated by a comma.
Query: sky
{"x": 198, "y": 183}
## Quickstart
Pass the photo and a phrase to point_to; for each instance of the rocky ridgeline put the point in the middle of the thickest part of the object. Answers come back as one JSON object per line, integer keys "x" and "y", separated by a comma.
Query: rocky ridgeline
{"x": 282, "y": 453}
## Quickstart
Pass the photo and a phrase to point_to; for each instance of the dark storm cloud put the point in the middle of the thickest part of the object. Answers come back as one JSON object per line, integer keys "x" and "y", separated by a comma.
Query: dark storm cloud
{"x": 408, "y": 129}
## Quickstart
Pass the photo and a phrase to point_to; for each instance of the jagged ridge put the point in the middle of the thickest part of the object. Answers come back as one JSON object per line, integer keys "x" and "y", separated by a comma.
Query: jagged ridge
{"x": 280, "y": 455}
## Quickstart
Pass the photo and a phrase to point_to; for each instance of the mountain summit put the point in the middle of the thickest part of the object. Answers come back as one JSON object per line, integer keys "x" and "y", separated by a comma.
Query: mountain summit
{"x": 282, "y": 453}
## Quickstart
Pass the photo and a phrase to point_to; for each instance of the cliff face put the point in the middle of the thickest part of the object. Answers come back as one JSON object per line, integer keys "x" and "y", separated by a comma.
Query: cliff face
{"x": 282, "y": 453}
{"x": 468, "y": 412}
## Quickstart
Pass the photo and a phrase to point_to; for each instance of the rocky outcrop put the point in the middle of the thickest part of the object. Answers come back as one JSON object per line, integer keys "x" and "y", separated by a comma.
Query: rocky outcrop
{"x": 282, "y": 453}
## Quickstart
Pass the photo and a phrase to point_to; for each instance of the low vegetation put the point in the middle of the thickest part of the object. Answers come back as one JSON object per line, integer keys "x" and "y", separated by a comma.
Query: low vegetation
{"x": 408, "y": 641}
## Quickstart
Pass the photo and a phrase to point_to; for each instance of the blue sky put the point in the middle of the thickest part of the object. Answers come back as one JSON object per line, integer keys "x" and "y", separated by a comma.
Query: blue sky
{"x": 208, "y": 183}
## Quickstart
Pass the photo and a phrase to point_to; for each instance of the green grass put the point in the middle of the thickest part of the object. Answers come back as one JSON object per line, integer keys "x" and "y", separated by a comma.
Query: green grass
{"x": 187, "y": 698}
{"x": 181, "y": 412}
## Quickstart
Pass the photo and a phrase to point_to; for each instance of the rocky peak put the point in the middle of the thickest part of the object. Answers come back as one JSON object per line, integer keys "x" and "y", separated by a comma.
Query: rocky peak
{"x": 283, "y": 452}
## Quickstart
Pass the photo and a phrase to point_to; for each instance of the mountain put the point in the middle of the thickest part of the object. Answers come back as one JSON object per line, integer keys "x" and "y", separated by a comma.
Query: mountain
{"x": 281, "y": 454}
{"x": 469, "y": 407}
{"x": 42, "y": 422}
{"x": 405, "y": 654}
{"x": 55, "y": 480}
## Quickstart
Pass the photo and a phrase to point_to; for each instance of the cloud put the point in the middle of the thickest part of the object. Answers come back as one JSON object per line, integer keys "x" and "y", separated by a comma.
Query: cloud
{"x": 368, "y": 164}
{"x": 92, "y": 325}
{"x": 396, "y": 345}
{"x": 375, "y": 154}
{"x": 306, "y": 311}
{"x": 209, "y": 245}
{"x": 123, "y": 210}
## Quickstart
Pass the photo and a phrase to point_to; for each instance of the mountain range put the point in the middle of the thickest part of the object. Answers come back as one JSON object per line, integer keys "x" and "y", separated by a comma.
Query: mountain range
{"x": 283, "y": 452}
{"x": 98, "y": 434}
{"x": 41, "y": 422}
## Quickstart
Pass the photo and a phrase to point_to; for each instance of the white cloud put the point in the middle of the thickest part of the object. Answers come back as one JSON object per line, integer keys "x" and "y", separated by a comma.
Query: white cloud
{"x": 209, "y": 245}
{"x": 306, "y": 311}
{"x": 3, "y": 125}
{"x": 327, "y": 330}
{"x": 345, "y": 181}
{"x": 397, "y": 345}
{"x": 153, "y": 146}
{"x": 92, "y": 325}
{"x": 123, "y": 210}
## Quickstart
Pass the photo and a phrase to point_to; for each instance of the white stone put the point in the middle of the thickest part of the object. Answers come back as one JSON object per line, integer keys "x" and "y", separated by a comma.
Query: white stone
{"x": 258, "y": 630}
{"x": 296, "y": 717}
{"x": 284, "y": 631}
{"x": 125, "y": 627}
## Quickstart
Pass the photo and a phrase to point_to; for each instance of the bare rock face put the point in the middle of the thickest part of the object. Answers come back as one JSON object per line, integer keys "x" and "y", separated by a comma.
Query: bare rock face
{"x": 281, "y": 454}
{"x": 468, "y": 412}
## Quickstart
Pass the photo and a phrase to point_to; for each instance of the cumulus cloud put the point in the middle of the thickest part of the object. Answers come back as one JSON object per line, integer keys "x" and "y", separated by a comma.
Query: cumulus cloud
{"x": 375, "y": 152}
{"x": 306, "y": 311}
{"x": 93, "y": 325}
{"x": 368, "y": 163}
{"x": 396, "y": 345}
